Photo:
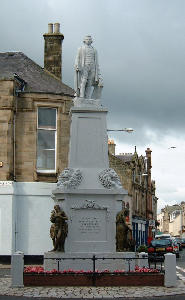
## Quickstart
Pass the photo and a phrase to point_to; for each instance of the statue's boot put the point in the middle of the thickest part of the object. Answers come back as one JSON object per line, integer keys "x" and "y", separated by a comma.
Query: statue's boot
{"x": 87, "y": 92}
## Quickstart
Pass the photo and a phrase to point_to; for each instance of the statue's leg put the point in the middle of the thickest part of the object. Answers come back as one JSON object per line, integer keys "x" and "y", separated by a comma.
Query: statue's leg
{"x": 90, "y": 81}
{"x": 83, "y": 83}
{"x": 82, "y": 88}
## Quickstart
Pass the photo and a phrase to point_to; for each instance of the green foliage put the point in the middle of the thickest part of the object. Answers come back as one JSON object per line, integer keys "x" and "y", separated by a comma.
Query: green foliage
{"x": 142, "y": 248}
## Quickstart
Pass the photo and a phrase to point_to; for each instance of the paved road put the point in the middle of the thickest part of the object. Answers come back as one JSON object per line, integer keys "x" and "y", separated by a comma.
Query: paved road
{"x": 180, "y": 267}
{"x": 181, "y": 297}
{"x": 5, "y": 272}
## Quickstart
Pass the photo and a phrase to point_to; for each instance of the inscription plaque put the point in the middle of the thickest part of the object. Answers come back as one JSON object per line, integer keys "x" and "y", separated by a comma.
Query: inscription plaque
{"x": 89, "y": 225}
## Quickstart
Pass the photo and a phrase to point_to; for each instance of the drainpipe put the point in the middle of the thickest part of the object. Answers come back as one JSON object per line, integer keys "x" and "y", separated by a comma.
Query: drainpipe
{"x": 14, "y": 133}
{"x": 19, "y": 88}
{"x": 21, "y": 83}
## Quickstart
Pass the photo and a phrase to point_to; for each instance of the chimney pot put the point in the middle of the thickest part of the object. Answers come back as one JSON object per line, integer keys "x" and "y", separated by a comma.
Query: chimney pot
{"x": 50, "y": 28}
{"x": 57, "y": 28}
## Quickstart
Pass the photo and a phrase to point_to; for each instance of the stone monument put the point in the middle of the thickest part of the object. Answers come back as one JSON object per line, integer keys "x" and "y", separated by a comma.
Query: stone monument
{"x": 88, "y": 191}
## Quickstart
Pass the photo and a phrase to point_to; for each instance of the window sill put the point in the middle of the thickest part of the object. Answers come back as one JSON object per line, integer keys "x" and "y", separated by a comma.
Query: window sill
{"x": 46, "y": 177}
{"x": 46, "y": 173}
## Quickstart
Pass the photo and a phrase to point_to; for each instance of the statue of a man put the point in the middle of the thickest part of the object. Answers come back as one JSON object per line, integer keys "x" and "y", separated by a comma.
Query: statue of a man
{"x": 59, "y": 228}
{"x": 87, "y": 72}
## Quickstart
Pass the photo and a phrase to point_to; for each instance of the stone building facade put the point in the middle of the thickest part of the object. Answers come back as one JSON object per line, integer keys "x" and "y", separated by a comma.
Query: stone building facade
{"x": 172, "y": 219}
{"x": 135, "y": 174}
{"x": 27, "y": 93}
{"x": 34, "y": 144}
{"x": 20, "y": 132}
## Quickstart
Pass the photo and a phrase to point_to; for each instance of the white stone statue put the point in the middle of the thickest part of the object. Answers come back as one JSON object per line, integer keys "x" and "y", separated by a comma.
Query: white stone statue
{"x": 87, "y": 72}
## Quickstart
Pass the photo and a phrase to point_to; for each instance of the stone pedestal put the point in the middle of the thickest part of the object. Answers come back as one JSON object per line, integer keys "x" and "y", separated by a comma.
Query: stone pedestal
{"x": 170, "y": 279}
{"x": 88, "y": 191}
{"x": 17, "y": 267}
{"x": 88, "y": 143}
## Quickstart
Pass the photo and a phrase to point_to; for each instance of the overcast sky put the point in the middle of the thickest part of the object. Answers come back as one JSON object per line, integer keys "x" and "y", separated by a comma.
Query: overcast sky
{"x": 141, "y": 48}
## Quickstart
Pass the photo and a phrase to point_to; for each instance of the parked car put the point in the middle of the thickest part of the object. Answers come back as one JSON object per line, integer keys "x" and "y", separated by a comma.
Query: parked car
{"x": 183, "y": 242}
{"x": 159, "y": 247}
{"x": 179, "y": 242}
{"x": 163, "y": 236}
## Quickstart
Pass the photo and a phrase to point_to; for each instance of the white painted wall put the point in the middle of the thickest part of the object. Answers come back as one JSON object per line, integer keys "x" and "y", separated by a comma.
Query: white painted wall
{"x": 175, "y": 226}
{"x": 25, "y": 209}
{"x": 6, "y": 219}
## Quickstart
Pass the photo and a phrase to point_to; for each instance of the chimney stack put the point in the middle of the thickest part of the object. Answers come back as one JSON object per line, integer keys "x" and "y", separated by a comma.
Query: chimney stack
{"x": 111, "y": 147}
{"x": 53, "y": 50}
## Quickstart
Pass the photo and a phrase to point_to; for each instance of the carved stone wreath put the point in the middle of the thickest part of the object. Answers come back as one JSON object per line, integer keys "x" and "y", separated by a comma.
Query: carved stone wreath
{"x": 89, "y": 204}
{"x": 69, "y": 178}
{"x": 109, "y": 179}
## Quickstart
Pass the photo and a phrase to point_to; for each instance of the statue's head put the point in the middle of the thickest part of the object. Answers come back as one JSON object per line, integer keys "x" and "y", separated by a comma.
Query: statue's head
{"x": 57, "y": 208}
{"x": 126, "y": 212}
{"x": 88, "y": 40}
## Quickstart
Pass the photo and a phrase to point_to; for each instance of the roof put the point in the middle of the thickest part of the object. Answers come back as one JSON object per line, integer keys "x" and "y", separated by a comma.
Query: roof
{"x": 172, "y": 208}
{"x": 127, "y": 157}
{"x": 38, "y": 80}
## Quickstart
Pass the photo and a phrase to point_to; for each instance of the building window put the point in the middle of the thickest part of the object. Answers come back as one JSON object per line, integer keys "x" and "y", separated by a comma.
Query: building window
{"x": 46, "y": 140}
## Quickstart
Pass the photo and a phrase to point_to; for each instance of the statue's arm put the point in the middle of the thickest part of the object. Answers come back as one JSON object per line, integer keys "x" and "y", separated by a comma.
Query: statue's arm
{"x": 64, "y": 216}
{"x": 52, "y": 218}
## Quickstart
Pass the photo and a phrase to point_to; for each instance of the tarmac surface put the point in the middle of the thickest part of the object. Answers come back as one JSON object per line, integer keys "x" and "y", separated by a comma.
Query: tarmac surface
{"x": 71, "y": 293}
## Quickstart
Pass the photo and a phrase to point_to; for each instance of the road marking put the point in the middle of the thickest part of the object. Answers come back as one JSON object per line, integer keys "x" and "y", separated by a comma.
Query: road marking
{"x": 181, "y": 269}
{"x": 180, "y": 276}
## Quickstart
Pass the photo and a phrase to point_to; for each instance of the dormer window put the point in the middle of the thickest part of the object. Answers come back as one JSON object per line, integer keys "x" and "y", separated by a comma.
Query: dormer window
{"x": 46, "y": 140}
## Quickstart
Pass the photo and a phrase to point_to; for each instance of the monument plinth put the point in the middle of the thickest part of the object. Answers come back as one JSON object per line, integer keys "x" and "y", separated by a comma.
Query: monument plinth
{"x": 88, "y": 191}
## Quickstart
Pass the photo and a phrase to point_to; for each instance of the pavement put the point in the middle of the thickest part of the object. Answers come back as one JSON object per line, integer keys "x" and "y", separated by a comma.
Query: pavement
{"x": 86, "y": 292}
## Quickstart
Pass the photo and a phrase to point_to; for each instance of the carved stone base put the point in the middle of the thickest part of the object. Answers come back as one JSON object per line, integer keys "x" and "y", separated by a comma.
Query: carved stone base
{"x": 82, "y": 102}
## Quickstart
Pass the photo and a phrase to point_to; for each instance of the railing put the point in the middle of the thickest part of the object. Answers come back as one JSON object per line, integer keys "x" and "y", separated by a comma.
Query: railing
{"x": 157, "y": 265}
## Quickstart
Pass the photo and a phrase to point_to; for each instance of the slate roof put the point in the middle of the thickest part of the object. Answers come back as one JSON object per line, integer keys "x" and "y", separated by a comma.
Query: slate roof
{"x": 172, "y": 208}
{"x": 38, "y": 80}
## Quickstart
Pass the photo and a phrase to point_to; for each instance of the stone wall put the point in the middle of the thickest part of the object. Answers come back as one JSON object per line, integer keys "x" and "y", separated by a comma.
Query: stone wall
{"x": 19, "y": 115}
{"x": 6, "y": 128}
{"x": 26, "y": 135}
{"x": 175, "y": 226}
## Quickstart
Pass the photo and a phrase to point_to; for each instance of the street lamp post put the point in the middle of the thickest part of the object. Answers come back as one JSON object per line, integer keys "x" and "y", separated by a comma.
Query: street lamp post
{"x": 112, "y": 149}
{"x": 129, "y": 130}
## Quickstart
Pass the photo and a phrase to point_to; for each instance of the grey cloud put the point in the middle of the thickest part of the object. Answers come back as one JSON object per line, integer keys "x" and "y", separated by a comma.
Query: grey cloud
{"x": 141, "y": 46}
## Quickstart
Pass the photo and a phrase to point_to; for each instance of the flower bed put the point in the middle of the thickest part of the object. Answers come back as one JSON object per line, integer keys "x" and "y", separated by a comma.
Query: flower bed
{"x": 140, "y": 277}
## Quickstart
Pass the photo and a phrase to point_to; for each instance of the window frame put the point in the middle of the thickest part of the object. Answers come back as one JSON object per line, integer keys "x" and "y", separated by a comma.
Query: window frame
{"x": 47, "y": 171}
